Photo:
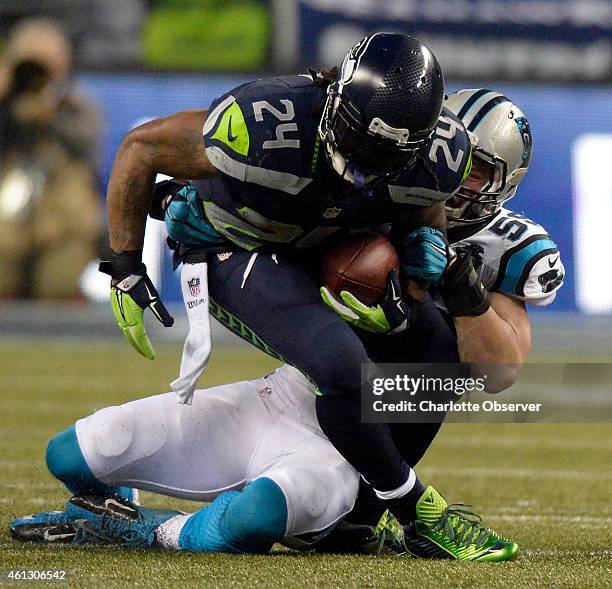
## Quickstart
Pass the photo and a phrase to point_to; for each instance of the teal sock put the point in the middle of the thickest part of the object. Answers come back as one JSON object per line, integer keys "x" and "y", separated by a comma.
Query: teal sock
{"x": 248, "y": 521}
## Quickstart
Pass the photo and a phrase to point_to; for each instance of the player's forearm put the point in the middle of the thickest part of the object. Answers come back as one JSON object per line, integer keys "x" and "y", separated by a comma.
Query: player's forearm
{"x": 494, "y": 346}
{"x": 487, "y": 338}
{"x": 129, "y": 195}
{"x": 435, "y": 216}
{"x": 172, "y": 145}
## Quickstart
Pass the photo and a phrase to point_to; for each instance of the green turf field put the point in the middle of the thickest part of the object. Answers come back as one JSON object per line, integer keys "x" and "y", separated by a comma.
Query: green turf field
{"x": 547, "y": 486}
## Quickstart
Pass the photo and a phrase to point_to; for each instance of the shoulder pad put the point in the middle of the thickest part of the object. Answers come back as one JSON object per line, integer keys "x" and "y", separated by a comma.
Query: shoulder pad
{"x": 519, "y": 258}
{"x": 445, "y": 163}
{"x": 263, "y": 132}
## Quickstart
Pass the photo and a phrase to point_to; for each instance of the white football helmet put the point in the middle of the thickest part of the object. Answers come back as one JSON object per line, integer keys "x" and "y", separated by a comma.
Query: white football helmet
{"x": 501, "y": 151}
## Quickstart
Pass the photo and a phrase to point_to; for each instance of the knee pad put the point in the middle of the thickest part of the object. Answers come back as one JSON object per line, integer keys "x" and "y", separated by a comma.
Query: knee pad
{"x": 317, "y": 497}
{"x": 111, "y": 430}
{"x": 66, "y": 462}
{"x": 116, "y": 439}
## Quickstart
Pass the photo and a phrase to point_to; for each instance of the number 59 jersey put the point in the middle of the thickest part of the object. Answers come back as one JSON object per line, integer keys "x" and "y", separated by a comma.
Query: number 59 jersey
{"x": 275, "y": 189}
{"x": 517, "y": 258}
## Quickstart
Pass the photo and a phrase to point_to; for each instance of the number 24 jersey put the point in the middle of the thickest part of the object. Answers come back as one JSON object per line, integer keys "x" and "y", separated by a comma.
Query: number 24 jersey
{"x": 274, "y": 187}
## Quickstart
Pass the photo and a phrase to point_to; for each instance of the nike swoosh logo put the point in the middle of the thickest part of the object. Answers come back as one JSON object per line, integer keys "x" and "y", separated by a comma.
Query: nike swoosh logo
{"x": 438, "y": 248}
{"x": 52, "y": 537}
{"x": 109, "y": 503}
{"x": 230, "y": 136}
{"x": 151, "y": 296}
{"x": 396, "y": 298}
{"x": 552, "y": 264}
{"x": 153, "y": 307}
{"x": 394, "y": 295}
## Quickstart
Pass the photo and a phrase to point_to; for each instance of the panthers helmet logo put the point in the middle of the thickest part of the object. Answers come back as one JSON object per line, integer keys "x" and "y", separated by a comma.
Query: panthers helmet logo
{"x": 523, "y": 126}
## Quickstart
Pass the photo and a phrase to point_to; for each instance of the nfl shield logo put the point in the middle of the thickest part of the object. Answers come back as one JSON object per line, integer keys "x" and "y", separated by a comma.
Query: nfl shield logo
{"x": 265, "y": 392}
{"x": 194, "y": 286}
{"x": 331, "y": 212}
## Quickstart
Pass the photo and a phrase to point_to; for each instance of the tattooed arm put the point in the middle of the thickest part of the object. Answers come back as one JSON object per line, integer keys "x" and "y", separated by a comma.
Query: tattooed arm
{"x": 171, "y": 145}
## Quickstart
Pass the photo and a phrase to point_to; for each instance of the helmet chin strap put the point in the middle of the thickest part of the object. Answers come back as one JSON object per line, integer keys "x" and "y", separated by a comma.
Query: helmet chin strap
{"x": 338, "y": 163}
{"x": 358, "y": 176}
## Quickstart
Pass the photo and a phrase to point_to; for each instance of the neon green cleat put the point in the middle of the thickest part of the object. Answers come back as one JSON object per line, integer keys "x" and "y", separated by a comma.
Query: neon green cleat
{"x": 388, "y": 535}
{"x": 448, "y": 531}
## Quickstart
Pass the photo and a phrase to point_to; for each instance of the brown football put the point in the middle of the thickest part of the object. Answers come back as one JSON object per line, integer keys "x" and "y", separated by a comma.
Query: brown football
{"x": 360, "y": 265}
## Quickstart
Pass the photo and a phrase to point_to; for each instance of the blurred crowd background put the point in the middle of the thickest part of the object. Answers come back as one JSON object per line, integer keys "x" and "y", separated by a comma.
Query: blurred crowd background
{"x": 76, "y": 75}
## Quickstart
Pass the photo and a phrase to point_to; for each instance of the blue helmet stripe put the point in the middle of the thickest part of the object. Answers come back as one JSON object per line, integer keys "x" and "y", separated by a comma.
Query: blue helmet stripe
{"x": 485, "y": 110}
{"x": 470, "y": 101}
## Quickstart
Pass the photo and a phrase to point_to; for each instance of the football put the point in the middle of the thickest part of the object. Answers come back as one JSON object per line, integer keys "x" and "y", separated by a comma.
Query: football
{"x": 360, "y": 265}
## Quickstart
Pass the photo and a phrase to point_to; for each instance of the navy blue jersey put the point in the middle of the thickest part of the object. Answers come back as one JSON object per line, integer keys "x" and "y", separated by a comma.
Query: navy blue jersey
{"x": 275, "y": 188}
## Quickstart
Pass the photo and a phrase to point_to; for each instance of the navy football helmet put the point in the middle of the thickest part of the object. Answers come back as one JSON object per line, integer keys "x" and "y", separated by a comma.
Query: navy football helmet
{"x": 383, "y": 108}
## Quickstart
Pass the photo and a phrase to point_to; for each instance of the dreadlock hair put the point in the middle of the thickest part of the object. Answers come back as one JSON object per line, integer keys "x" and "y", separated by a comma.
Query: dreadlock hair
{"x": 322, "y": 79}
{"x": 325, "y": 77}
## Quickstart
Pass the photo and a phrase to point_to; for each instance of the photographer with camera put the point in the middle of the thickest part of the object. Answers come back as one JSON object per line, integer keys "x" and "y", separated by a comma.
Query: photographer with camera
{"x": 50, "y": 217}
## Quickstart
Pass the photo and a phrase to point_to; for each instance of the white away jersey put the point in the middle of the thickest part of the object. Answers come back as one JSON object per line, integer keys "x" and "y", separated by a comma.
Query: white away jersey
{"x": 518, "y": 258}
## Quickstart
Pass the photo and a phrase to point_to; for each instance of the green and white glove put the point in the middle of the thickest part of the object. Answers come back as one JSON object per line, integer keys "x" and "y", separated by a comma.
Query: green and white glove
{"x": 390, "y": 316}
{"x": 131, "y": 293}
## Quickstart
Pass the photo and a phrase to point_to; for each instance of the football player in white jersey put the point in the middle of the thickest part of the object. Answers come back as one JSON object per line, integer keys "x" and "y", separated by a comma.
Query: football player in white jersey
{"x": 514, "y": 258}
{"x": 253, "y": 448}
{"x": 256, "y": 447}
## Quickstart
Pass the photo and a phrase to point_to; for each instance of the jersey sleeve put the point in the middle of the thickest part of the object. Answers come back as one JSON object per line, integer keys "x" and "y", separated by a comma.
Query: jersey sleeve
{"x": 253, "y": 133}
{"x": 545, "y": 278}
{"x": 532, "y": 271}
{"x": 445, "y": 163}
{"x": 517, "y": 257}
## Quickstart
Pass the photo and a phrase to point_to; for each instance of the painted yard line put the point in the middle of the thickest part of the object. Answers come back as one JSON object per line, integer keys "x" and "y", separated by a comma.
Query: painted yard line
{"x": 32, "y": 500}
{"x": 522, "y": 442}
{"x": 569, "y": 519}
{"x": 548, "y": 552}
{"x": 534, "y": 507}
{"x": 26, "y": 486}
{"x": 593, "y": 475}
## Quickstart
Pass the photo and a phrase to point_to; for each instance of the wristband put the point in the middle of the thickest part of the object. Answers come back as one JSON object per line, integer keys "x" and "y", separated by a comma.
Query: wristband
{"x": 123, "y": 264}
{"x": 462, "y": 290}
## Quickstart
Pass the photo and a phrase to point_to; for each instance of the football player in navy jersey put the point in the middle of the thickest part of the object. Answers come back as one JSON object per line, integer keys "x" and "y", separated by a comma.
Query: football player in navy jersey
{"x": 297, "y": 493}
{"x": 503, "y": 261}
{"x": 285, "y": 164}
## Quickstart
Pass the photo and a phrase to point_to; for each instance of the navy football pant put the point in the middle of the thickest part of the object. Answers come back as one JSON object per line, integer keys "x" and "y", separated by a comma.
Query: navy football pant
{"x": 279, "y": 308}
{"x": 276, "y": 305}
